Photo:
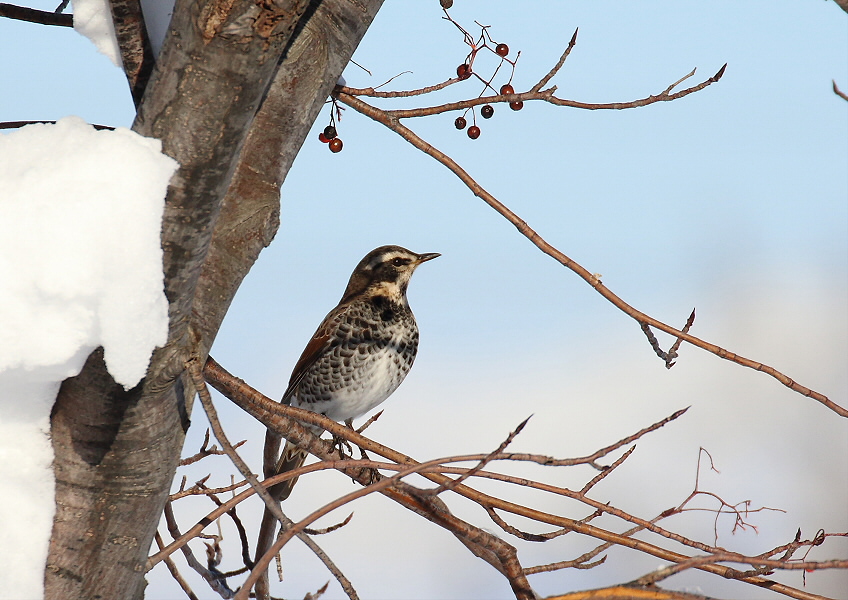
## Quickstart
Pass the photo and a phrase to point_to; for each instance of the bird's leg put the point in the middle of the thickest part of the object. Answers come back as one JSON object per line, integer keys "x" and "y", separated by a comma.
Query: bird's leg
{"x": 374, "y": 474}
{"x": 341, "y": 443}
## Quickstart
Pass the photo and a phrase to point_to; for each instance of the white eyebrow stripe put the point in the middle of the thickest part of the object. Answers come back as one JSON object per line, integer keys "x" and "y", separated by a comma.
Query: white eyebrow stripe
{"x": 388, "y": 256}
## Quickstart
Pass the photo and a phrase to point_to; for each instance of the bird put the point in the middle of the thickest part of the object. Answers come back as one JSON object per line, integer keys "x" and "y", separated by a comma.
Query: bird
{"x": 358, "y": 356}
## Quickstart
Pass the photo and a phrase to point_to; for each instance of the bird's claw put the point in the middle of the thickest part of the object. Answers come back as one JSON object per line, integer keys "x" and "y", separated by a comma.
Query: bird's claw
{"x": 340, "y": 444}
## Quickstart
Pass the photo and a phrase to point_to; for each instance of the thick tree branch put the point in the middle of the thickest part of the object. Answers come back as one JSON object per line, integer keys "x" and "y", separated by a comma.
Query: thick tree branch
{"x": 116, "y": 451}
{"x": 320, "y": 49}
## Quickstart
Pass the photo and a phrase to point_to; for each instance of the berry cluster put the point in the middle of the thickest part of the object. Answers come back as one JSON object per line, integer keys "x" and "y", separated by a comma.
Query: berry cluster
{"x": 466, "y": 70}
{"x": 330, "y": 137}
{"x": 487, "y": 111}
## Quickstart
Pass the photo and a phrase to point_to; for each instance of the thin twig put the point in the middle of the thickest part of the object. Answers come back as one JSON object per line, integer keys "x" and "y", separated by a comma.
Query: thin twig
{"x": 544, "y": 80}
{"x": 523, "y": 535}
{"x": 369, "y": 422}
{"x": 667, "y": 357}
{"x": 452, "y": 483}
{"x": 331, "y": 528}
{"x": 174, "y": 571}
{"x": 681, "y": 80}
{"x": 198, "y": 489}
{"x": 215, "y": 579}
{"x": 245, "y": 551}
{"x": 606, "y": 472}
{"x": 206, "y": 451}
{"x": 672, "y": 352}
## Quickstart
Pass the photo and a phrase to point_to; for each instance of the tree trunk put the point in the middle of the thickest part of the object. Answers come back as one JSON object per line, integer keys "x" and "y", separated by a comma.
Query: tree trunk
{"x": 116, "y": 450}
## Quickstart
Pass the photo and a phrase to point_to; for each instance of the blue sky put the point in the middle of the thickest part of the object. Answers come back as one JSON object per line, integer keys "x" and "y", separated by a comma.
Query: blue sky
{"x": 733, "y": 200}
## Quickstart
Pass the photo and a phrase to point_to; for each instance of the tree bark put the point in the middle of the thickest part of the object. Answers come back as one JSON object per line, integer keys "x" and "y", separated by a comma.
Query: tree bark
{"x": 136, "y": 52}
{"x": 116, "y": 450}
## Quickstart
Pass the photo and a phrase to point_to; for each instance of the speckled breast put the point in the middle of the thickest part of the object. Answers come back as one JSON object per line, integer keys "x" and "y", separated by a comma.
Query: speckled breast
{"x": 372, "y": 350}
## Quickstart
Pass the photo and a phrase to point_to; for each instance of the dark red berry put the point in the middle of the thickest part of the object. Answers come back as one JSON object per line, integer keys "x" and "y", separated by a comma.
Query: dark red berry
{"x": 323, "y": 137}
{"x": 507, "y": 89}
{"x": 336, "y": 145}
{"x": 487, "y": 111}
{"x": 517, "y": 105}
{"x": 501, "y": 49}
{"x": 446, "y": 4}
{"x": 473, "y": 132}
{"x": 460, "y": 123}
{"x": 463, "y": 71}
{"x": 330, "y": 132}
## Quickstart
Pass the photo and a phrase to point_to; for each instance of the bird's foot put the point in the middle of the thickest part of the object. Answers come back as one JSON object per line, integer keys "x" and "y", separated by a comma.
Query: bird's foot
{"x": 373, "y": 476}
{"x": 340, "y": 443}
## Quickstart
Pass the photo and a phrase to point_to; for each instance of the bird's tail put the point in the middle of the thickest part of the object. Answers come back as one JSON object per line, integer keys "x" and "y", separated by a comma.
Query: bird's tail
{"x": 291, "y": 458}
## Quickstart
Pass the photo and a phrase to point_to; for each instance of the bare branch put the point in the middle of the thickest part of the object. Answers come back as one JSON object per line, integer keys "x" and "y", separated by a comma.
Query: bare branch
{"x": 544, "y": 80}
{"x": 523, "y": 535}
{"x": 206, "y": 451}
{"x": 215, "y": 579}
{"x": 452, "y": 483}
{"x": 607, "y": 471}
{"x": 495, "y": 551}
{"x": 16, "y": 124}
{"x": 42, "y": 17}
{"x": 669, "y": 356}
{"x": 629, "y": 592}
{"x": 172, "y": 569}
{"x": 198, "y": 489}
{"x": 374, "y": 93}
{"x": 547, "y": 95}
{"x": 391, "y": 120}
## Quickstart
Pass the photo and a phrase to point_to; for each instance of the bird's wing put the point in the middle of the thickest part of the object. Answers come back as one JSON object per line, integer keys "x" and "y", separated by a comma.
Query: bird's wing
{"x": 321, "y": 340}
{"x": 314, "y": 349}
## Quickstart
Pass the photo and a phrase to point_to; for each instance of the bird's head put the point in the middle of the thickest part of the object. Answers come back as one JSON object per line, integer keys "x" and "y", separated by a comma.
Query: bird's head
{"x": 385, "y": 270}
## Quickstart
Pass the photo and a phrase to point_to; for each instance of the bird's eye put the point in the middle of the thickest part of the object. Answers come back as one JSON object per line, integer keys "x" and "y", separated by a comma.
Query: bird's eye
{"x": 399, "y": 262}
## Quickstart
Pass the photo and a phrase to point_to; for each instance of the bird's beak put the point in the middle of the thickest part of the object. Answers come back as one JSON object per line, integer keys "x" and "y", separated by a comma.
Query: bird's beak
{"x": 428, "y": 256}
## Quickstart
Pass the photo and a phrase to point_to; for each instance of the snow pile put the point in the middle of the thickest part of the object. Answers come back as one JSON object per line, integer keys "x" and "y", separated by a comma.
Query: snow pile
{"x": 80, "y": 267}
{"x": 93, "y": 19}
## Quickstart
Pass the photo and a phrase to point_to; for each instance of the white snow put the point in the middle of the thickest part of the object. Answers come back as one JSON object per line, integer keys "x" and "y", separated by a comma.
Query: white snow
{"x": 93, "y": 19}
{"x": 80, "y": 267}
